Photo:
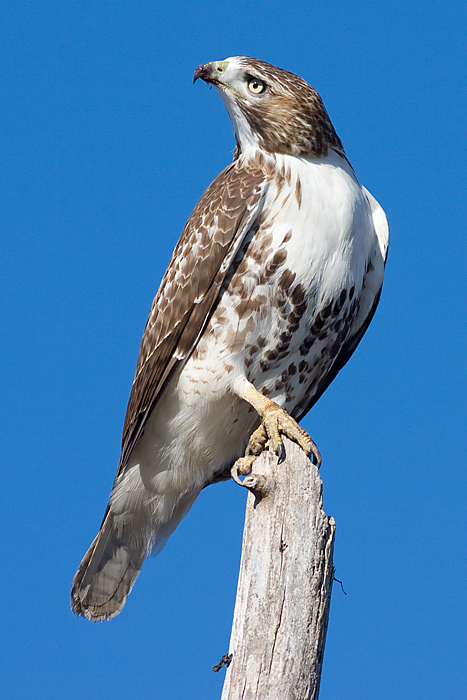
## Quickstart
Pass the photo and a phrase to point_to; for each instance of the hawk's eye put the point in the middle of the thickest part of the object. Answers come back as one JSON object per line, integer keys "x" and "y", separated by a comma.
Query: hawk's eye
{"x": 256, "y": 86}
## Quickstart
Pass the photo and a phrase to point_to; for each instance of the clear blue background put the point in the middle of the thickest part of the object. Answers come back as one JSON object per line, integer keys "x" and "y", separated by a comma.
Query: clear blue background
{"x": 105, "y": 147}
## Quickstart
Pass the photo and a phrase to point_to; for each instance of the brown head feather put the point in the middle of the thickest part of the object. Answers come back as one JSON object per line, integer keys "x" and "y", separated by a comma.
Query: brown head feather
{"x": 288, "y": 117}
{"x": 292, "y": 117}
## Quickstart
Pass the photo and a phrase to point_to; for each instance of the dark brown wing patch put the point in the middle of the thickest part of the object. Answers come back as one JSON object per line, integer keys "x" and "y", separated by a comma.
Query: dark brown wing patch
{"x": 190, "y": 286}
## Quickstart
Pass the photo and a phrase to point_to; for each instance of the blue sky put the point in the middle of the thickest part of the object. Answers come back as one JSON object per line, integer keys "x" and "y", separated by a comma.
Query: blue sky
{"x": 106, "y": 147}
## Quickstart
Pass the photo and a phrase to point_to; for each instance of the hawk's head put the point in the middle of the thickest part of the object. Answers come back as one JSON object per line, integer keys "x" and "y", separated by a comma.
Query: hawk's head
{"x": 271, "y": 108}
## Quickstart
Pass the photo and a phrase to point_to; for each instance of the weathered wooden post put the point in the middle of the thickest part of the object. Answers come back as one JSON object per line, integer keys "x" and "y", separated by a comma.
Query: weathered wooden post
{"x": 284, "y": 587}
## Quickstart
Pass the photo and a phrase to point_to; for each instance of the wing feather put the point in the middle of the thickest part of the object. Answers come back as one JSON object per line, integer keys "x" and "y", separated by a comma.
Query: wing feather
{"x": 190, "y": 286}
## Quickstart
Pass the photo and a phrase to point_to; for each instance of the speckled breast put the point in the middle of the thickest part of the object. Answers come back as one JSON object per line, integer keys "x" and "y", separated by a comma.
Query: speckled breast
{"x": 292, "y": 295}
{"x": 283, "y": 333}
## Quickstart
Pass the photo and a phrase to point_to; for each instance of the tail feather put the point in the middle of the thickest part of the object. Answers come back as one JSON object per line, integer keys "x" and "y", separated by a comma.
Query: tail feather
{"x": 111, "y": 566}
{"x": 106, "y": 575}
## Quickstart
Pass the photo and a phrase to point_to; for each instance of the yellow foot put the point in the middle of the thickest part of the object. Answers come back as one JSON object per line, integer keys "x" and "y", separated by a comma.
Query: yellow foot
{"x": 256, "y": 445}
{"x": 257, "y": 442}
{"x": 276, "y": 421}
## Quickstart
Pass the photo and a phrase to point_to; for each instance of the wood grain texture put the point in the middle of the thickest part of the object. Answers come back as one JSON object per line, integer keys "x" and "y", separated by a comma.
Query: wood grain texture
{"x": 284, "y": 589}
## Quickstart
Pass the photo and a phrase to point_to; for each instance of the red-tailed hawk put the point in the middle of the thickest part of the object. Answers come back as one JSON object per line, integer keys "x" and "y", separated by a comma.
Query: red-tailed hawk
{"x": 271, "y": 287}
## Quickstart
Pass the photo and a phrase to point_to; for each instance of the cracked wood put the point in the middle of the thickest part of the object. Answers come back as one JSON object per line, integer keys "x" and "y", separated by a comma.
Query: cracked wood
{"x": 284, "y": 587}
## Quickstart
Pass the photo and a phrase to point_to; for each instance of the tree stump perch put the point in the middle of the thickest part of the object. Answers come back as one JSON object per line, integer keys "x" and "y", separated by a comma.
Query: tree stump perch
{"x": 284, "y": 587}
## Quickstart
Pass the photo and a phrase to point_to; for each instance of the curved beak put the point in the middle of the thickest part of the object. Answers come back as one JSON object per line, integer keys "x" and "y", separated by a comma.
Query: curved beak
{"x": 207, "y": 72}
{"x": 213, "y": 74}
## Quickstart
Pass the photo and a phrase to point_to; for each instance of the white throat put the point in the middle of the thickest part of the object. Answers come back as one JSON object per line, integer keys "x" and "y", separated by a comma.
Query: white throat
{"x": 245, "y": 137}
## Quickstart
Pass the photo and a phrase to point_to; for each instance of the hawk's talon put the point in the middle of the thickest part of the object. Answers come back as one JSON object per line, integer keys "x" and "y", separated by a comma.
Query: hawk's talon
{"x": 280, "y": 451}
{"x": 315, "y": 455}
{"x": 277, "y": 421}
{"x": 243, "y": 467}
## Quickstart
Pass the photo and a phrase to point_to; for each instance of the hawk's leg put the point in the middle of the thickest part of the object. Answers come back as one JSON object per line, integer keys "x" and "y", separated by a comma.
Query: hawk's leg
{"x": 274, "y": 422}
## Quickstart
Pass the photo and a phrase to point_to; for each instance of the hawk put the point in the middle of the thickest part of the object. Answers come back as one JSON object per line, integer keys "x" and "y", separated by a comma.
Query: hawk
{"x": 273, "y": 283}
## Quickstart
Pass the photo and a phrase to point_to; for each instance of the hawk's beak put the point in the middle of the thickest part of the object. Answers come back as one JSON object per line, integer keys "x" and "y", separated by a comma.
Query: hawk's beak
{"x": 207, "y": 72}
{"x": 213, "y": 73}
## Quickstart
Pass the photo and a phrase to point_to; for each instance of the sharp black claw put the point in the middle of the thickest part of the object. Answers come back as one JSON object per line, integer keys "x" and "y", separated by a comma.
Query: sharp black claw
{"x": 280, "y": 453}
{"x": 316, "y": 457}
